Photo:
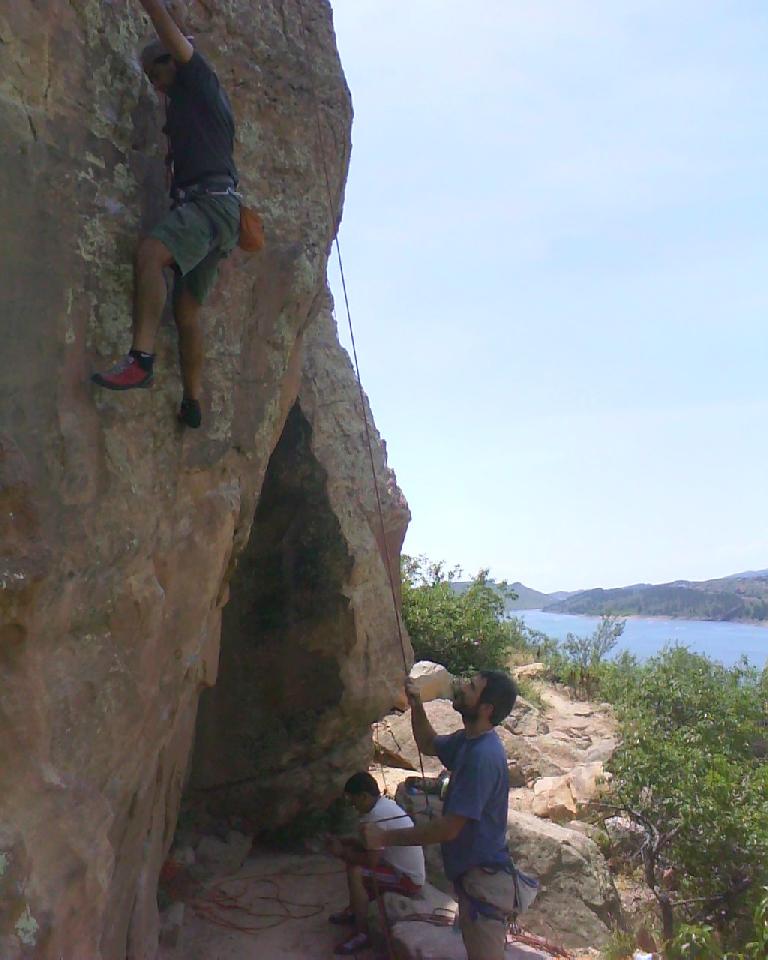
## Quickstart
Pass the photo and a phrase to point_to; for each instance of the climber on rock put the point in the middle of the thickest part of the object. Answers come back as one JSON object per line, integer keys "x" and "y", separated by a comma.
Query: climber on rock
{"x": 472, "y": 829}
{"x": 204, "y": 223}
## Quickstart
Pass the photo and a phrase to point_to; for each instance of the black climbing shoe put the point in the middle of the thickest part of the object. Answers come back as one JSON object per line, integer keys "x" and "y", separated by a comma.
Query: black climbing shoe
{"x": 344, "y": 918}
{"x": 189, "y": 414}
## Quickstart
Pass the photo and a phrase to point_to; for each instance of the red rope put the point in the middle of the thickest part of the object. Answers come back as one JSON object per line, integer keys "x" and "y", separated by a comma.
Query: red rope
{"x": 216, "y": 902}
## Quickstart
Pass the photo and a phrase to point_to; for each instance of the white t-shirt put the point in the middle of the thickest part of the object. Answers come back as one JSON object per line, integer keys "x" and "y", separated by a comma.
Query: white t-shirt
{"x": 408, "y": 860}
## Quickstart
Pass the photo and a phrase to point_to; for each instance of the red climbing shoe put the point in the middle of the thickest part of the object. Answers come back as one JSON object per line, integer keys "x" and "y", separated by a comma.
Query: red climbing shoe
{"x": 125, "y": 375}
{"x": 355, "y": 944}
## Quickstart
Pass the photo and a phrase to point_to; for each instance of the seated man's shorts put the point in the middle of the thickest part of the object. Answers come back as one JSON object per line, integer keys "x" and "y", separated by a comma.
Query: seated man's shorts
{"x": 199, "y": 234}
{"x": 387, "y": 880}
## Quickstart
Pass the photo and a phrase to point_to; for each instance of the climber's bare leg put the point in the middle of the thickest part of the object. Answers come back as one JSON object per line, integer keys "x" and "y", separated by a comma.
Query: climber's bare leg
{"x": 150, "y": 292}
{"x": 186, "y": 312}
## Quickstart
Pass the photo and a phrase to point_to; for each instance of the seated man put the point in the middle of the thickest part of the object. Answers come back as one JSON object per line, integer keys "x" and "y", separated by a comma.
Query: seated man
{"x": 398, "y": 870}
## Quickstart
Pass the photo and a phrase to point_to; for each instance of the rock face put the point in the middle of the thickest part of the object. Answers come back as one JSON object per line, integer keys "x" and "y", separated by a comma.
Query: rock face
{"x": 561, "y": 798}
{"x": 432, "y": 681}
{"x": 303, "y": 666}
{"x": 578, "y": 904}
{"x": 395, "y": 742}
{"x": 564, "y": 744}
{"x": 121, "y": 537}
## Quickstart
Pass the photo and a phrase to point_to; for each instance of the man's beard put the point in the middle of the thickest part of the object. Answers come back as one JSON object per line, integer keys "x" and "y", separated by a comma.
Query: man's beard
{"x": 469, "y": 714}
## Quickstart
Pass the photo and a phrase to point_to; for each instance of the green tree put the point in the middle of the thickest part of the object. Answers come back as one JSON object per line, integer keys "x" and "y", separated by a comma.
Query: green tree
{"x": 580, "y": 661}
{"x": 585, "y": 654}
{"x": 465, "y": 629}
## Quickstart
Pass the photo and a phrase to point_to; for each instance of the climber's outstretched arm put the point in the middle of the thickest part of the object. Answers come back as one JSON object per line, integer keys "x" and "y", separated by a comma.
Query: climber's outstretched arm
{"x": 167, "y": 30}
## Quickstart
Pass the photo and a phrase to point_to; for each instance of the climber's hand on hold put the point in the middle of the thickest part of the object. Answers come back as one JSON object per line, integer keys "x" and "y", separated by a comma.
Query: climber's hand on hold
{"x": 178, "y": 10}
{"x": 168, "y": 29}
{"x": 422, "y": 728}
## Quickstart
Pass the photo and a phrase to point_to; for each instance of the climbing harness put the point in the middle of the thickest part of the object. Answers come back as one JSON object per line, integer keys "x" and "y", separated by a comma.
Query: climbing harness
{"x": 251, "y": 236}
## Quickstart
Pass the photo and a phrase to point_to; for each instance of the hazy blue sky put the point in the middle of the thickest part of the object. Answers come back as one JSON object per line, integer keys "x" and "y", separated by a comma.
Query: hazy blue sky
{"x": 555, "y": 245}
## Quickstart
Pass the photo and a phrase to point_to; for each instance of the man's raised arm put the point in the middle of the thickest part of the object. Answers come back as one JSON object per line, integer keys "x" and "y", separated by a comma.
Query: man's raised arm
{"x": 168, "y": 31}
{"x": 422, "y": 729}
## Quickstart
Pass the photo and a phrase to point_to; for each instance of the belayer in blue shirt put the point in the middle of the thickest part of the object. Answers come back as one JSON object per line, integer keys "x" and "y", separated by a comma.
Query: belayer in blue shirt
{"x": 472, "y": 828}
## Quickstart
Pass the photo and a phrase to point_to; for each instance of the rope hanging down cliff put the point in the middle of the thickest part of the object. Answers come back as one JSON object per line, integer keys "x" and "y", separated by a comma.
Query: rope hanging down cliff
{"x": 387, "y": 557}
{"x": 363, "y": 414}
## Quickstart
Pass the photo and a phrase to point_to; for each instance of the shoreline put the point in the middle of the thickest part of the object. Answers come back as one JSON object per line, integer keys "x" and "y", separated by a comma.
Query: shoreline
{"x": 637, "y": 616}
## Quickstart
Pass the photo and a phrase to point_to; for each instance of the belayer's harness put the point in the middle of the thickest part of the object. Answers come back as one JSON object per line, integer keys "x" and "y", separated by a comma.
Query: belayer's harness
{"x": 526, "y": 888}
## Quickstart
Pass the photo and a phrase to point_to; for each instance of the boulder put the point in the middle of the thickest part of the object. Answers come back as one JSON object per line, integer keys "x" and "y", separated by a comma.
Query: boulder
{"x": 143, "y": 563}
{"x": 395, "y": 743}
{"x": 422, "y": 939}
{"x": 433, "y": 680}
{"x": 531, "y": 670}
{"x": 560, "y": 798}
{"x": 599, "y": 836}
{"x": 526, "y": 720}
{"x": 224, "y": 856}
{"x": 552, "y": 798}
{"x": 578, "y": 905}
{"x": 587, "y": 782}
{"x": 541, "y": 755}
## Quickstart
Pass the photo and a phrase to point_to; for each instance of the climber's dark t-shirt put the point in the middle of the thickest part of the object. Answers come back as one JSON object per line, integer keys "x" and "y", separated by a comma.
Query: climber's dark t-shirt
{"x": 199, "y": 124}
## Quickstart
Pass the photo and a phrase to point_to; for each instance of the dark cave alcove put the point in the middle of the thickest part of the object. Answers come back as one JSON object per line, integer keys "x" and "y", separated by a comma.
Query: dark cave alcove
{"x": 285, "y": 630}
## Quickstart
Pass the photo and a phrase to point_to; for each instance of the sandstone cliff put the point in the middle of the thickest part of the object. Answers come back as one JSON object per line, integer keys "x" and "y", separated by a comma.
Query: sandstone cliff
{"x": 122, "y": 538}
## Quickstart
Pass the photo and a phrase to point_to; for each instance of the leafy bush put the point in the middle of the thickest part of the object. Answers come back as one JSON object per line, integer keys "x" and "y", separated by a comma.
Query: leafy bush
{"x": 691, "y": 772}
{"x": 620, "y": 946}
{"x": 580, "y": 661}
{"x": 465, "y": 631}
{"x": 530, "y": 690}
{"x": 700, "y": 942}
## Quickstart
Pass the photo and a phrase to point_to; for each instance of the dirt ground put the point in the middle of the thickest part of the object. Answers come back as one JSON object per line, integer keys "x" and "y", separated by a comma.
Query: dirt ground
{"x": 309, "y": 887}
{"x": 283, "y": 900}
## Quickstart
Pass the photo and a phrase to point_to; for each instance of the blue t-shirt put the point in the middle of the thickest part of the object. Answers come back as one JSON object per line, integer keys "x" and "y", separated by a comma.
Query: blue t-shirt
{"x": 479, "y": 790}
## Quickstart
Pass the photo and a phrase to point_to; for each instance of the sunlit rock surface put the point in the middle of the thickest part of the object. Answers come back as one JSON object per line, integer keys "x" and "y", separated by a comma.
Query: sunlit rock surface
{"x": 122, "y": 537}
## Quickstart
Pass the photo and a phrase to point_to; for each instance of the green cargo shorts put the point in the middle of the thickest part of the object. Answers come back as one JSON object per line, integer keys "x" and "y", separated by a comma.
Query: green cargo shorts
{"x": 199, "y": 234}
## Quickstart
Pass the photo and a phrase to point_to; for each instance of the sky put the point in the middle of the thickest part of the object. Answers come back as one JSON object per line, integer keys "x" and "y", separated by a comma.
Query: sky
{"x": 555, "y": 248}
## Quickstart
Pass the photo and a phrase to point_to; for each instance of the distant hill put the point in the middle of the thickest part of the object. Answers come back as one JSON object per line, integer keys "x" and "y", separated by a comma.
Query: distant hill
{"x": 527, "y": 597}
{"x": 738, "y": 597}
{"x": 749, "y": 575}
{"x": 741, "y": 596}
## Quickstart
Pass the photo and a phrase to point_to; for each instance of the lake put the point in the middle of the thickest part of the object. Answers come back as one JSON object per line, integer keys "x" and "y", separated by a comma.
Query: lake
{"x": 644, "y": 636}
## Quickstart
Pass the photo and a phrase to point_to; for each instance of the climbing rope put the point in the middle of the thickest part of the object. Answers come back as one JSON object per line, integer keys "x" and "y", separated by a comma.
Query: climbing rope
{"x": 369, "y": 441}
{"x": 364, "y": 415}
{"x": 230, "y": 903}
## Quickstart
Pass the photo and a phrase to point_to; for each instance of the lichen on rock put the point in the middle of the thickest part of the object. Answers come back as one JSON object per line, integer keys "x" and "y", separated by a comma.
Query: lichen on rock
{"x": 122, "y": 536}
